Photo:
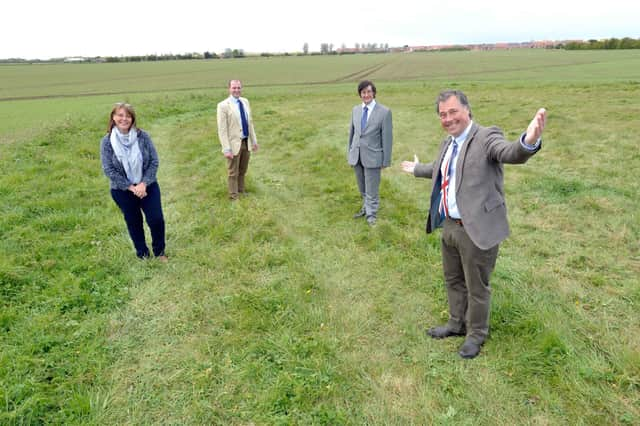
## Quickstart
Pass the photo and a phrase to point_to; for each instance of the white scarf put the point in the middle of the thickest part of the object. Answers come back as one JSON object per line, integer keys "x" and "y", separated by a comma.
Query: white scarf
{"x": 128, "y": 152}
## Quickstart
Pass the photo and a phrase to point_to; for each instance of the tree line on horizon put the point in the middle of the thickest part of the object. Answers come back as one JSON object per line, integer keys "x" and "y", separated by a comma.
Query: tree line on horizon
{"x": 609, "y": 43}
{"x": 325, "y": 49}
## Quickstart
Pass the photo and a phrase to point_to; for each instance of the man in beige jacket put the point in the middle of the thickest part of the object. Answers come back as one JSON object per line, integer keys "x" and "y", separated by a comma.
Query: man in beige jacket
{"x": 235, "y": 131}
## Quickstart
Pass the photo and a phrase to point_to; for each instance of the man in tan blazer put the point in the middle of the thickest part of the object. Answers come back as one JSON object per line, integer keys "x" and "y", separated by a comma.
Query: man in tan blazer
{"x": 237, "y": 136}
{"x": 467, "y": 200}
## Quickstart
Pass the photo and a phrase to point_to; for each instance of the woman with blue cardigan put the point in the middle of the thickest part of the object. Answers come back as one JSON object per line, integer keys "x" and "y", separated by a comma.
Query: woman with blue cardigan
{"x": 130, "y": 161}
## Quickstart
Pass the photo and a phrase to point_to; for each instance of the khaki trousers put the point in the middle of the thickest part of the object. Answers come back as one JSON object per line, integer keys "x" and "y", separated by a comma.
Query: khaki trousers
{"x": 237, "y": 169}
{"x": 467, "y": 269}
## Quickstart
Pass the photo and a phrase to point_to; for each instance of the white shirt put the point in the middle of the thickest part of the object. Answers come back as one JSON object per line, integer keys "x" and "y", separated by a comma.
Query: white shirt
{"x": 451, "y": 189}
{"x": 370, "y": 108}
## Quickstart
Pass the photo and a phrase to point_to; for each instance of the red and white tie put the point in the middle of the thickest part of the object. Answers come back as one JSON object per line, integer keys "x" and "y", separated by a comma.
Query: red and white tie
{"x": 446, "y": 175}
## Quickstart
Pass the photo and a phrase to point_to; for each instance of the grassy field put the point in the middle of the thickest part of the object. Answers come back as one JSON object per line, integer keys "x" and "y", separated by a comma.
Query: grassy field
{"x": 281, "y": 309}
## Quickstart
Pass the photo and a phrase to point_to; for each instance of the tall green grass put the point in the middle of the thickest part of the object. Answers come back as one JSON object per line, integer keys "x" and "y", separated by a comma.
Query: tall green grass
{"x": 281, "y": 309}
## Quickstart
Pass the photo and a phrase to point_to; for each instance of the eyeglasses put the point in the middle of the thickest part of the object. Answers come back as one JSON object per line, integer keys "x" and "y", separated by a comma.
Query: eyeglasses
{"x": 122, "y": 104}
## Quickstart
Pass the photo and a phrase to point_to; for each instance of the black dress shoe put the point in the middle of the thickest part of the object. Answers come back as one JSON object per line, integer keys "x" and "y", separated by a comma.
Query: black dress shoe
{"x": 469, "y": 349}
{"x": 361, "y": 213}
{"x": 444, "y": 331}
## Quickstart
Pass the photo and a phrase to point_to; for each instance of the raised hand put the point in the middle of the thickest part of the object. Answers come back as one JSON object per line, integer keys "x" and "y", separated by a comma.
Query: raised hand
{"x": 534, "y": 131}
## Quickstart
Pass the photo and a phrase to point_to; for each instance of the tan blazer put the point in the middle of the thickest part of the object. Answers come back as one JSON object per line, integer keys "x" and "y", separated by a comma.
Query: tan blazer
{"x": 230, "y": 127}
{"x": 479, "y": 183}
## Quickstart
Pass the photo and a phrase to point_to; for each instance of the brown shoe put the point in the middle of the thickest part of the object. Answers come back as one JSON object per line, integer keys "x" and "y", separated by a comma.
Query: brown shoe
{"x": 162, "y": 258}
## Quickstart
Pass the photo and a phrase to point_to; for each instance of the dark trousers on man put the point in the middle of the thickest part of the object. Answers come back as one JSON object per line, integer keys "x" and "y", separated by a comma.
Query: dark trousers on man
{"x": 237, "y": 169}
{"x": 467, "y": 270}
{"x": 132, "y": 208}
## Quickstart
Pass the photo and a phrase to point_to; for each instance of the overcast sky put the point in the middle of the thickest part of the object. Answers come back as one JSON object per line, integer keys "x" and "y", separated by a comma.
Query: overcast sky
{"x": 46, "y": 28}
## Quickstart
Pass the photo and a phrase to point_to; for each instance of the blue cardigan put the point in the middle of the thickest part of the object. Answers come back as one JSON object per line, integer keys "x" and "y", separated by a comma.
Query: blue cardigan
{"x": 114, "y": 169}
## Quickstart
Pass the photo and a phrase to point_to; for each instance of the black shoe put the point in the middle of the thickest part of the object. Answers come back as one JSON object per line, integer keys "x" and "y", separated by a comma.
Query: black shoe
{"x": 469, "y": 349}
{"x": 361, "y": 213}
{"x": 444, "y": 331}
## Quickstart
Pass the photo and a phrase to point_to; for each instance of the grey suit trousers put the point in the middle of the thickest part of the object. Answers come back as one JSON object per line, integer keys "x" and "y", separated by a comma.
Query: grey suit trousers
{"x": 467, "y": 269}
{"x": 369, "y": 186}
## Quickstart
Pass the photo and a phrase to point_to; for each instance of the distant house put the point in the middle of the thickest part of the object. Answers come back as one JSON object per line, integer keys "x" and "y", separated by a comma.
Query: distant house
{"x": 75, "y": 59}
{"x": 544, "y": 44}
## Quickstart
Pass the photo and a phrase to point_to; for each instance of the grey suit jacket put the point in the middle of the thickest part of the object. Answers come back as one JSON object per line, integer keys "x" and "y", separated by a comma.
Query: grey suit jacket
{"x": 372, "y": 145}
{"x": 479, "y": 184}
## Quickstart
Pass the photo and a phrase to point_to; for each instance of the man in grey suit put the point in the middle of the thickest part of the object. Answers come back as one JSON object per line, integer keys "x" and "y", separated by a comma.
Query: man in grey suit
{"x": 467, "y": 200}
{"x": 369, "y": 148}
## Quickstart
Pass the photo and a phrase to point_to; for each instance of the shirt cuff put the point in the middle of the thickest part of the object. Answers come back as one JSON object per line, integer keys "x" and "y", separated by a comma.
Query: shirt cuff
{"x": 528, "y": 147}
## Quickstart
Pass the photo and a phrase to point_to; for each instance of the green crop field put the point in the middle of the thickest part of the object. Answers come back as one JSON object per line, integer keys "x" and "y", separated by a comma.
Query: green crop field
{"x": 280, "y": 308}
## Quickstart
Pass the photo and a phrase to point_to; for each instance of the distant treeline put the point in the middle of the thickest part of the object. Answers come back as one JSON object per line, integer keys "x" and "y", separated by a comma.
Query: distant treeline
{"x": 608, "y": 43}
{"x": 228, "y": 53}
{"x": 145, "y": 58}
{"x": 327, "y": 49}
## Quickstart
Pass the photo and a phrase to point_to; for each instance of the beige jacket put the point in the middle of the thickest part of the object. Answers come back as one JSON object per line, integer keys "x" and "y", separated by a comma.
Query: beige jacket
{"x": 230, "y": 127}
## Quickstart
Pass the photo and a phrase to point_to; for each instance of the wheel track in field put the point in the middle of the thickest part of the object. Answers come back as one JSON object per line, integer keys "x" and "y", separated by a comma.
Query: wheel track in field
{"x": 358, "y": 75}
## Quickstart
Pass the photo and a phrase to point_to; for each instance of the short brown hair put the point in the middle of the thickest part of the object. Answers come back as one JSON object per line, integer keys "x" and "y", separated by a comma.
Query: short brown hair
{"x": 366, "y": 83}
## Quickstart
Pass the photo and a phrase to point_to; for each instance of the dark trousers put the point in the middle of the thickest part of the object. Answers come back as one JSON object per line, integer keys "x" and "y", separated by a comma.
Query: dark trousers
{"x": 132, "y": 208}
{"x": 237, "y": 169}
{"x": 467, "y": 270}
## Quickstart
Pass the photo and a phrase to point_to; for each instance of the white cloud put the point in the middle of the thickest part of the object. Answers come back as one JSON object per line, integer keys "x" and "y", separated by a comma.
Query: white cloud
{"x": 44, "y": 29}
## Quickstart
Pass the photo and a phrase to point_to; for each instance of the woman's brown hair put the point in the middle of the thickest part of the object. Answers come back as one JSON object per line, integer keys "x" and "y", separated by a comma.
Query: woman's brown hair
{"x": 118, "y": 106}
